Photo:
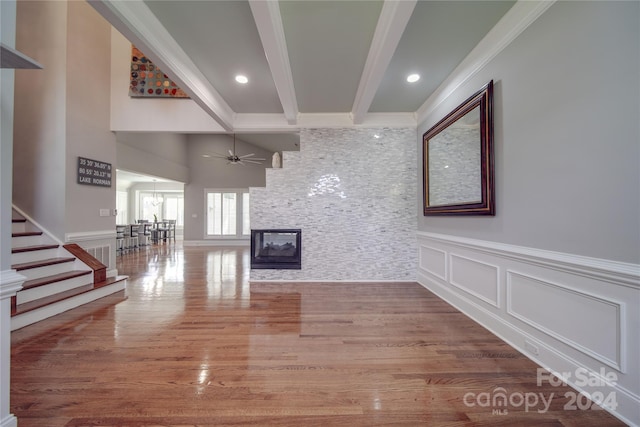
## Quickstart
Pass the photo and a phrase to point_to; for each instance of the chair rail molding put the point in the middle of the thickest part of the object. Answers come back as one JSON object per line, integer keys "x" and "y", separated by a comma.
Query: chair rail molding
{"x": 85, "y": 236}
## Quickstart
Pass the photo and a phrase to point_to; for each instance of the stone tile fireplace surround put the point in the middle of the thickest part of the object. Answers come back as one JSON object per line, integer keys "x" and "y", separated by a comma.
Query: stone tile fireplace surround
{"x": 353, "y": 193}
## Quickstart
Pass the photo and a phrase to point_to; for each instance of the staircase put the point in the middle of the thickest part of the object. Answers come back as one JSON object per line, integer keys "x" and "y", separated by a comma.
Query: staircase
{"x": 57, "y": 279}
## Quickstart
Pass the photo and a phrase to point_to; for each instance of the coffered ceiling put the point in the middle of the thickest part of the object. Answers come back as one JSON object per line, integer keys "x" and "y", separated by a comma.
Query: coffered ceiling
{"x": 342, "y": 61}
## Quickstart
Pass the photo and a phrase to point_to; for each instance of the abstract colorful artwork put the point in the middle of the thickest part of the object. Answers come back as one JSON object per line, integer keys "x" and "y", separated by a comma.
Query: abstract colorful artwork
{"x": 148, "y": 81}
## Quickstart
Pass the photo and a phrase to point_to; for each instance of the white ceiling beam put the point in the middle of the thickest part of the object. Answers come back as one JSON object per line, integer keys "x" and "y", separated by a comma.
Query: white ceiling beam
{"x": 140, "y": 26}
{"x": 269, "y": 24}
{"x": 394, "y": 18}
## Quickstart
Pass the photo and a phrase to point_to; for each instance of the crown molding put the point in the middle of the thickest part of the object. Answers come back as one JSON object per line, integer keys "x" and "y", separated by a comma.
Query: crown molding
{"x": 392, "y": 22}
{"x": 388, "y": 120}
{"x": 514, "y": 22}
{"x": 257, "y": 122}
{"x": 139, "y": 25}
{"x": 279, "y": 123}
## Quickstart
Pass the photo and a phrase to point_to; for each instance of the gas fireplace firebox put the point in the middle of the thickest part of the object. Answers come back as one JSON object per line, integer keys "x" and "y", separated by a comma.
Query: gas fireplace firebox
{"x": 276, "y": 249}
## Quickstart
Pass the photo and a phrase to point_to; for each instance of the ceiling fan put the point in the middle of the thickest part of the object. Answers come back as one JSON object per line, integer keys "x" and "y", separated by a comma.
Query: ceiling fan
{"x": 233, "y": 158}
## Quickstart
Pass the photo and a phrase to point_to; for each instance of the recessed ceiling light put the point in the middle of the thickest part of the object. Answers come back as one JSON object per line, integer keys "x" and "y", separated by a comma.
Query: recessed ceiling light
{"x": 242, "y": 79}
{"x": 206, "y": 155}
{"x": 412, "y": 78}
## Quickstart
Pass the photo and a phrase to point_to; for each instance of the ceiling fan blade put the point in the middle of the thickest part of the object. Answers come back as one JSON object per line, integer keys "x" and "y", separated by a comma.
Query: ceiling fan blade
{"x": 252, "y": 161}
{"x": 231, "y": 153}
{"x": 247, "y": 155}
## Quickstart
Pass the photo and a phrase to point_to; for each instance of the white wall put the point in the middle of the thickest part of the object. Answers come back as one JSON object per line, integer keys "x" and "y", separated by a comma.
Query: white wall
{"x": 149, "y": 115}
{"x": 353, "y": 196}
{"x": 556, "y": 272}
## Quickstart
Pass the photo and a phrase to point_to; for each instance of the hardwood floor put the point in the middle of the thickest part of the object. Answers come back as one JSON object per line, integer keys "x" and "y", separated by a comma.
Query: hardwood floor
{"x": 193, "y": 344}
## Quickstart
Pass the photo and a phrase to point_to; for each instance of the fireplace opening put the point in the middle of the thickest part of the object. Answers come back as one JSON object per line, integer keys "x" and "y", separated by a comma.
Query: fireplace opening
{"x": 276, "y": 249}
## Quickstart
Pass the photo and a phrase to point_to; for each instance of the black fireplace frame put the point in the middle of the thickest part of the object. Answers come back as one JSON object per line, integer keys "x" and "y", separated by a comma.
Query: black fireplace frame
{"x": 276, "y": 262}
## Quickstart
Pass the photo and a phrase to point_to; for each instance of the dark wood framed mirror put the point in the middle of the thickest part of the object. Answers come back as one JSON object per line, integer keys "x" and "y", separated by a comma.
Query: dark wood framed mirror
{"x": 458, "y": 159}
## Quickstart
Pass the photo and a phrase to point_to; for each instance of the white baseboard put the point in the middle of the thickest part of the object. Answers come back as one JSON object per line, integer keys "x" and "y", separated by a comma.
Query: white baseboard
{"x": 567, "y": 313}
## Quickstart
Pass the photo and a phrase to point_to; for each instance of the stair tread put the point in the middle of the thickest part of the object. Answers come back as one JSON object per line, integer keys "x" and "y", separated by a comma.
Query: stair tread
{"x": 27, "y": 234}
{"x": 17, "y": 220}
{"x": 41, "y": 263}
{"x": 41, "y": 281}
{"x": 35, "y": 304}
{"x": 33, "y": 248}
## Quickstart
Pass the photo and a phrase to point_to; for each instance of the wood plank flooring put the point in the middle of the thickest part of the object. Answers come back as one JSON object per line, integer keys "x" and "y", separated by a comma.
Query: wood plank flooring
{"x": 192, "y": 343}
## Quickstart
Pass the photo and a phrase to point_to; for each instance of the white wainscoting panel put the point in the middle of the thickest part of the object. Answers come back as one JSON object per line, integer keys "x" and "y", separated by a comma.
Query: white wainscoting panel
{"x": 434, "y": 261}
{"x": 593, "y": 326}
{"x": 480, "y": 279}
{"x": 567, "y": 313}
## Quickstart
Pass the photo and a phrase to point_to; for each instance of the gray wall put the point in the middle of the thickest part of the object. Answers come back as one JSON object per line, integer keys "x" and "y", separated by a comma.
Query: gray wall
{"x": 62, "y": 112}
{"x": 215, "y": 173}
{"x": 566, "y": 135}
{"x": 87, "y": 121}
{"x": 156, "y": 154}
{"x": 39, "y": 157}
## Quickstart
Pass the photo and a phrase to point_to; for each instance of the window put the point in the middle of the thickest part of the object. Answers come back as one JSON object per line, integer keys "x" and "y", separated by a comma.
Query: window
{"x": 164, "y": 205}
{"x": 150, "y": 206}
{"x": 174, "y": 208}
{"x": 228, "y": 213}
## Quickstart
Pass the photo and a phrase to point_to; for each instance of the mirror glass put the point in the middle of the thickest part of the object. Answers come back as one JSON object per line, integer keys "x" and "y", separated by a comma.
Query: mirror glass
{"x": 454, "y": 162}
{"x": 458, "y": 159}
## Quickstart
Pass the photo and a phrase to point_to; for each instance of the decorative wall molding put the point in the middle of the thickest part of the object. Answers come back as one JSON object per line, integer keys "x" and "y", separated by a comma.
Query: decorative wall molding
{"x": 434, "y": 261}
{"x": 605, "y": 317}
{"x": 86, "y": 236}
{"x": 478, "y": 278}
{"x": 565, "y": 312}
{"x": 620, "y": 273}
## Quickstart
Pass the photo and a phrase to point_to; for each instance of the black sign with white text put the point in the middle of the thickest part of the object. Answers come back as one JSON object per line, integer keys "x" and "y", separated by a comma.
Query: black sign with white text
{"x": 93, "y": 172}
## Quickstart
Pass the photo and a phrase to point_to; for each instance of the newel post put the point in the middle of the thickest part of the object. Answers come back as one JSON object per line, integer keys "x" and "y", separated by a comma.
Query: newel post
{"x": 10, "y": 283}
